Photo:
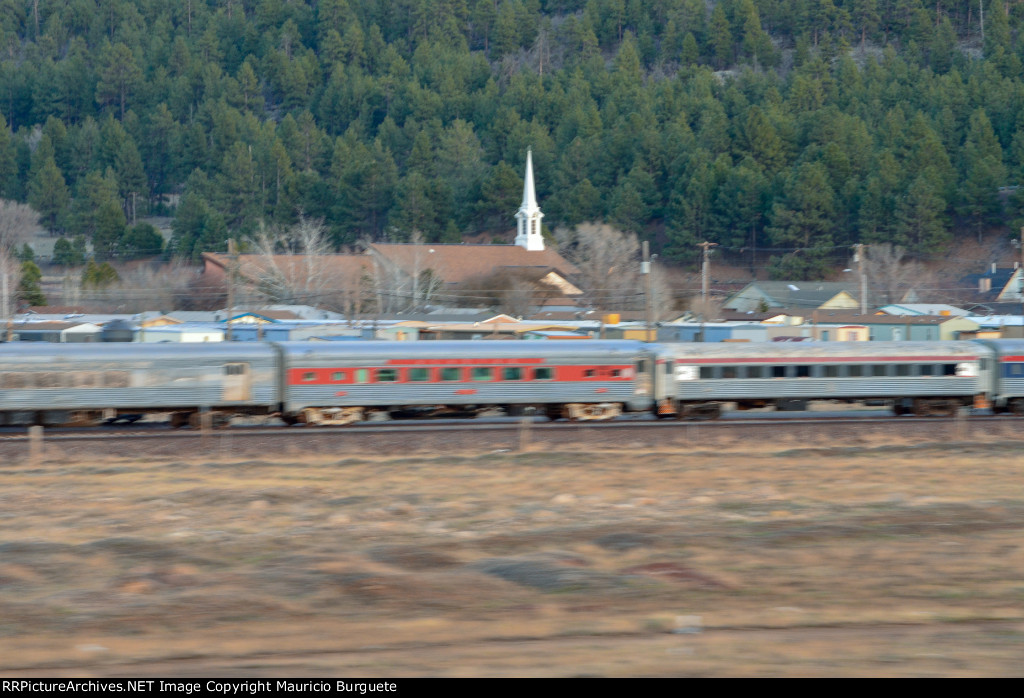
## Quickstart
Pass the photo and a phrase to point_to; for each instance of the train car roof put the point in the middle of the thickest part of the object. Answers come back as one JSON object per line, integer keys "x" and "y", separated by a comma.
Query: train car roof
{"x": 467, "y": 349}
{"x": 1005, "y": 347}
{"x": 810, "y": 351}
{"x": 41, "y": 352}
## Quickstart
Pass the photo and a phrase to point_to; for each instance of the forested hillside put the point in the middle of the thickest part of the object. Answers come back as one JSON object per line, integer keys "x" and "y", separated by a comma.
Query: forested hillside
{"x": 796, "y": 127}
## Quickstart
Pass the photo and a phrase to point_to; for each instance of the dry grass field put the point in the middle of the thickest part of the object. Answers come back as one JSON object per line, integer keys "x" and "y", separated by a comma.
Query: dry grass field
{"x": 885, "y": 559}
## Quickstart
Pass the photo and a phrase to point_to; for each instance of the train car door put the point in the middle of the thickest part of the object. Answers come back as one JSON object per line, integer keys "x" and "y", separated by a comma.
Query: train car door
{"x": 643, "y": 377}
{"x": 237, "y": 386}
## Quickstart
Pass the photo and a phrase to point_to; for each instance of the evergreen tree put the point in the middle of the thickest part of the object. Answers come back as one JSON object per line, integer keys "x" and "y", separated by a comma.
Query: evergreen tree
{"x": 803, "y": 219}
{"x": 29, "y": 291}
{"x": 47, "y": 192}
{"x": 99, "y": 276}
{"x": 141, "y": 240}
{"x": 984, "y": 173}
{"x": 69, "y": 253}
{"x": 119, "y": 76}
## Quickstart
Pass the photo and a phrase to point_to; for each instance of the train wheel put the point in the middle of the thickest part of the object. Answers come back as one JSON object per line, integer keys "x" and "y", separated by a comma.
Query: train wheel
{"x": 1017, "y": 407}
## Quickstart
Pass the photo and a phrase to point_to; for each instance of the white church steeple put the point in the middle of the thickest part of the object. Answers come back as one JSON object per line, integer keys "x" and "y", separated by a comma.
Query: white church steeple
{"x": 528, "y": 216}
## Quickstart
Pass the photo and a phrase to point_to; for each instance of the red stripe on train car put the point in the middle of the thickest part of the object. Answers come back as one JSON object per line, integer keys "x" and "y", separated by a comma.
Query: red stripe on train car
{"x": 1011, "y": 358}
{"x": 464, "y": 362}
{"x": 466, "y": 391}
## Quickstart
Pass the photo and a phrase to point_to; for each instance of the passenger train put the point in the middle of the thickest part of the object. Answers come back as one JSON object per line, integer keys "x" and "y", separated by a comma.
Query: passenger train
{"x": 347, "y": 382}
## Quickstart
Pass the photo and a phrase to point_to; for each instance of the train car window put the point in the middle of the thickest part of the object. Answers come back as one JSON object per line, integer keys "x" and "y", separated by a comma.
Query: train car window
{"x": 481, "y": 373}
{"x": 16, "y": 381}
{"x": 983, "y": 364}
{"x": 362, "y": 375}
{"x": 879, "y": 370}
{"x": 903, "y": 369}
{"x": 512, "y": 374}
{"x": 928, "y": 370}
{"x": 803, "y": 371}
{"x": 309, "y": 376}
{"x": 451, "y": 374}
{"x": 778, "y": 371}
{"x": 87, "y": 379}
{"x": 116, "y": 379}
{"x": 418, "y": 375}
{"x": 729, "y": 372}
{"x": 831, "y": 371}
{"x": 338, "y": 376}
{"x": 234, "y": 369}
{"x": 1012, "y": 370}
{"x": 387, "y": 375}
{"x": 589, "y": 373}
{"x": 855, "y": 371}
{"x": 49, "y": 380}
{"x": 615, "y": 373}
{"x": 707, "y": 372}
{"x": 948, "y": 369}
{"x": 543, "y": 374}
{"x": 755, "y": 371}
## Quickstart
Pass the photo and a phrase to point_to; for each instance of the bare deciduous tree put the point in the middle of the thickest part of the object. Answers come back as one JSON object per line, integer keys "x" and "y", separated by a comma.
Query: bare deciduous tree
{"x": 610, "y": 277}
{"x": 405, "y": 287}
{"x": 294, "y": 264}
{"x": 890, "y": 274}
{"x": 17, "y": 223}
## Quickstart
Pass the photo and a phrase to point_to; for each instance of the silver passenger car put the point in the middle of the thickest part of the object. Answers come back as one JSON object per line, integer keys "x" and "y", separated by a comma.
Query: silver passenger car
{"x": 81, "y": 383}
{"x": 914, "y": 377}
{"x": 341, "y": 382}
{"x": 1007, "y": 374}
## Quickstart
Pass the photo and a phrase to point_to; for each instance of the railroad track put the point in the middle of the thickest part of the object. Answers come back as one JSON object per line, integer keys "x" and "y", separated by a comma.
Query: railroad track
{"x": 540, "y": 424}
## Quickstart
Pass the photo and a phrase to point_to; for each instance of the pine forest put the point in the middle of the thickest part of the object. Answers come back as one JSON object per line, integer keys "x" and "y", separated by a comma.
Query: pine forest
{"x": 784, "y": 130}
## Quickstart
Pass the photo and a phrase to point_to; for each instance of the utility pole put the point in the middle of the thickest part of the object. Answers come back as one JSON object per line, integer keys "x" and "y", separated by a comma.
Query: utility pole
{"x": 5, "y": 299}
{"x": 858, "y": 257}
{"x": 1021, "y": 287}
{"x": 645, "y": 269}
{"x": 232, "y": 264}
{"x": 704, "y": 267}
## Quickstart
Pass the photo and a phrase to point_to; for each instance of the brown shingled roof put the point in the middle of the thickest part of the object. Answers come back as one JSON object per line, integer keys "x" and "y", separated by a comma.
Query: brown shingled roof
{"x": 457, "y": 263}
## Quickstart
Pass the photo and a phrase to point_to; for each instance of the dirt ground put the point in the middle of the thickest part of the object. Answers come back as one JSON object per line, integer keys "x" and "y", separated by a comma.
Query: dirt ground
{"x": 886, "y": 559}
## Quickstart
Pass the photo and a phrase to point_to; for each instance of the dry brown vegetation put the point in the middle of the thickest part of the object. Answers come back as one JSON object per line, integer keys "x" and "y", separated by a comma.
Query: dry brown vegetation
{"x": 885, "y": 559}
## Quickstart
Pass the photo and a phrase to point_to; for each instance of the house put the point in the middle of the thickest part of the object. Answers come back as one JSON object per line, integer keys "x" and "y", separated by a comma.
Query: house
{"x": 922, "y": 309}
{"x": 182, "y": 333}
{"x": 759, "y": 296}
{"x": 882, "y": 328}
{"x": 55, "y": 331}
{"x": 997, "y": 285}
